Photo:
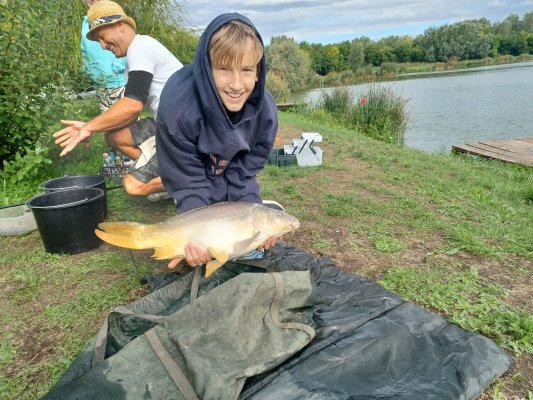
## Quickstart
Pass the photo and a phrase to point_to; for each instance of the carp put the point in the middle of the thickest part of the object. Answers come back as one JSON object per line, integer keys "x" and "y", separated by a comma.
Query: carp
{"x": 225, "y": 231}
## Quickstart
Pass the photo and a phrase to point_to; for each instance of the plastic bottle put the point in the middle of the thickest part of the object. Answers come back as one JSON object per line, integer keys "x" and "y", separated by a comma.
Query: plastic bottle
{"x": 119, "y": 161}
{"x": 108, "y": 162}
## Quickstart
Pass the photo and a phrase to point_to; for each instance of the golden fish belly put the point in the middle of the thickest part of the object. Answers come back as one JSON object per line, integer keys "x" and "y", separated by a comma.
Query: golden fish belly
{"x": 234, "y": 237}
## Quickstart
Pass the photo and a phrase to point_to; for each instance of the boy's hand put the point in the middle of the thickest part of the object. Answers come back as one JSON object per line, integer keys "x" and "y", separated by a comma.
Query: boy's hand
{"x": 194, "y": 255}
{"x": 70, "y": 136}
{"x": 271, "y": 241}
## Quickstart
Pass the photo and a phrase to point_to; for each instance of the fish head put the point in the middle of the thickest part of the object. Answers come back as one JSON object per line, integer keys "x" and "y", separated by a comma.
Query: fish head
{"x": 274, "y": 222}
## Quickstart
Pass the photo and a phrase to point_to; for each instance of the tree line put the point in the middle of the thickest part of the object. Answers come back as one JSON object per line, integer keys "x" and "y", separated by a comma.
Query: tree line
{"x": 464, "y": 40}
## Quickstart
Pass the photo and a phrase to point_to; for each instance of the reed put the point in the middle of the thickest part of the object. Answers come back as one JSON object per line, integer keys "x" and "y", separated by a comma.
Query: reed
{"x": 377, "y": 112}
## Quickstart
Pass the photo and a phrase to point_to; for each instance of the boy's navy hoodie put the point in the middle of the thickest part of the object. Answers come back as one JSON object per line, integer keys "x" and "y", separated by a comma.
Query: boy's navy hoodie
{"x": 203, "y": 157}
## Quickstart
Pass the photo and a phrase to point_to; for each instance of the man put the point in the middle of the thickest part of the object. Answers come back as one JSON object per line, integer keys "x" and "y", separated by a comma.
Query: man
{"x": 149, "y": 65}
{"x": 105, "y": 70}
{"x": 215, "y": 138}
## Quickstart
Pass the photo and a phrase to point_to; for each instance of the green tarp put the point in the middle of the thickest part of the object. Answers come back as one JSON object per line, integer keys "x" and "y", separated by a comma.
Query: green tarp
{"x": 369, "y": 343}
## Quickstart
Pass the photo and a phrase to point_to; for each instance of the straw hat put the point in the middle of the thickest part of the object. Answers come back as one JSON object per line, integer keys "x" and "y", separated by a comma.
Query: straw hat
{"x": 103, "y": 13}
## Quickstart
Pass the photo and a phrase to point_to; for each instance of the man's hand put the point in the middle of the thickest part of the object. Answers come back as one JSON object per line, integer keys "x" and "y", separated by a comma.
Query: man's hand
{"x": 70, "y": 136}
{"x": 194, "y": 255}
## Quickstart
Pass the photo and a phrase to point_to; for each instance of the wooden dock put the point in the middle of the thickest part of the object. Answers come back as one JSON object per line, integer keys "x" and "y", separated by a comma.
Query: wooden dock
{"x": 285, "y": 106}
{"x": 518, "y": 151}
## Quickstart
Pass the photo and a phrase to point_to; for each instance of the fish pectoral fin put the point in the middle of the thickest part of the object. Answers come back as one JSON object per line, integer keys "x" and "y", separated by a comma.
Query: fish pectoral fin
{"x": 242, "y": 246}
{"x": 221, "y": 257}
{"x": 164, "y": 253}
{"x": 212, "y": 266}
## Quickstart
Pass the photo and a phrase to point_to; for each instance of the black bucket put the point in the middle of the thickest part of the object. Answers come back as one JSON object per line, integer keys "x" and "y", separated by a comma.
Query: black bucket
{"x": 66, "y": 219}
{"x": 74, "y": 182}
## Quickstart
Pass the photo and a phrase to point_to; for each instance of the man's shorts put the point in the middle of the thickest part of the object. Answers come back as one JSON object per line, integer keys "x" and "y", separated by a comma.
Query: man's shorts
{"x": 109, "y": 96}
{"x": 143, "y": 134}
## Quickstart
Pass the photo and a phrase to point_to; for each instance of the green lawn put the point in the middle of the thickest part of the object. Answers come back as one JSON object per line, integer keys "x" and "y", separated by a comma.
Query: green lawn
{"x": 453, "y": 234}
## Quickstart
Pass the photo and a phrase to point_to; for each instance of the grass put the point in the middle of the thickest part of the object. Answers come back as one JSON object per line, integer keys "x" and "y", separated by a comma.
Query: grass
{"x": 451, "y": 233}
{"x": 466, "y": 299}
{"x": 53, "y": 304}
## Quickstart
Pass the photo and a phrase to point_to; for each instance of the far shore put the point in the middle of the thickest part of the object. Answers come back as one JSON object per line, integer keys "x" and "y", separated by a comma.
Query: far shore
{"x": 396, "y": 71}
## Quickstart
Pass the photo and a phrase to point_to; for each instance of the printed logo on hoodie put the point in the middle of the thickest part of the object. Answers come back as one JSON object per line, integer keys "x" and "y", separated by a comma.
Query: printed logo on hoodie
{"x": 216, "y": 165}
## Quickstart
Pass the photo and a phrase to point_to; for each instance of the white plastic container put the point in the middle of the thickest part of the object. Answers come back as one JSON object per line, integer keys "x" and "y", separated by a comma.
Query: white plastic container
{"x": 16, "y": 220}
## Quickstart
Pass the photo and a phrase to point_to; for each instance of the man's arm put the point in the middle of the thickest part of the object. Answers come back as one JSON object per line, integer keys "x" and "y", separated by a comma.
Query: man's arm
{"x": 126, "y": 110}
{"x": 121, "y": 114}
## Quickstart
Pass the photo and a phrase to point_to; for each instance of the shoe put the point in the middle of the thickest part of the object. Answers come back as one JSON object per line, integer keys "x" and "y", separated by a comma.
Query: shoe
{"x": 158, "y": 196}
{"x": 273, "y": 204}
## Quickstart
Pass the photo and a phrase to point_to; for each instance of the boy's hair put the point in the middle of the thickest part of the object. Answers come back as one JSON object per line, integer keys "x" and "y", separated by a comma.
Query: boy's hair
{"x": 228, "y": 44}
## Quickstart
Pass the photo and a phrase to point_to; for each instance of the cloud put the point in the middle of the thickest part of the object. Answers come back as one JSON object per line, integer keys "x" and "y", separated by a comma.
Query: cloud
{"x": 323, "y": 21}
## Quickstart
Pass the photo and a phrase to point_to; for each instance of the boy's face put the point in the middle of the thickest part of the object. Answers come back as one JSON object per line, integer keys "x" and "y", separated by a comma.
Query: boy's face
{"x": 235, "y": 84}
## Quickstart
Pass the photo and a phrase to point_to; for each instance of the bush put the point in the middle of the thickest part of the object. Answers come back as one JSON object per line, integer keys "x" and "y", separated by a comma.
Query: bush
{"x": 277, "y": 87}
{"x": 339, "y": 102}
{"x": 388, "y": 68}
{"x": 380, "y": 113}
{"x": 285, "y": 59}
{"x": 36, "y": 68}
{"x": 439, "y": 66}
{"x": 163, "y": 20}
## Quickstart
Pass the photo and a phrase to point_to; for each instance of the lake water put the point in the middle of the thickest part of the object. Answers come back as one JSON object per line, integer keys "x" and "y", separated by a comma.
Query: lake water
{"x": 455, "y": 107}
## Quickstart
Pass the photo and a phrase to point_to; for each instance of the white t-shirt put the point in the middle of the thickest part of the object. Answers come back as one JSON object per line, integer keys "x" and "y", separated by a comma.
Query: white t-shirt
{"x": 146, "y": 54}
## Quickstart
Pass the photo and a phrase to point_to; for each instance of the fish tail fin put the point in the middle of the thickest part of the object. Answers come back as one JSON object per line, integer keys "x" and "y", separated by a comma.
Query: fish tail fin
{"x": 122, "y": 234}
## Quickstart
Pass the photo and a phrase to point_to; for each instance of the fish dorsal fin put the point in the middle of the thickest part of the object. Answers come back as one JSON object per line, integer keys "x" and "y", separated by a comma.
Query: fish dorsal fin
{"x": 221, "y": 257}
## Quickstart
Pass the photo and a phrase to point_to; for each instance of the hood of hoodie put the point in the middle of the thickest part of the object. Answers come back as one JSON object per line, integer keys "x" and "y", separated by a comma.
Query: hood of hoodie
{"x": 212, "y": 106}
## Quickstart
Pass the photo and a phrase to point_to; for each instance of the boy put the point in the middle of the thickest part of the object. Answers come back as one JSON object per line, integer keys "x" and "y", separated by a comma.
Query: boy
{"x": 217, "y": 122}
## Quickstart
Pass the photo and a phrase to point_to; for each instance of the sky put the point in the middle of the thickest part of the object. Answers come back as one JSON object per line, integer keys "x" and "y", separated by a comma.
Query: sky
{"x": 330, "y": 21}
